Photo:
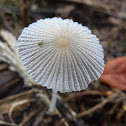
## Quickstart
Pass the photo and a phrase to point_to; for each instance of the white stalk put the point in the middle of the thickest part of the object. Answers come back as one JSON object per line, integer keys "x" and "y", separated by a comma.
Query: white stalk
{"x": 53, "y": 101}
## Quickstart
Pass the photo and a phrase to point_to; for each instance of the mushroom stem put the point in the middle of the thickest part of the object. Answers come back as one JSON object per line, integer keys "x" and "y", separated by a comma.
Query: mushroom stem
{"x": 53, "y": 101}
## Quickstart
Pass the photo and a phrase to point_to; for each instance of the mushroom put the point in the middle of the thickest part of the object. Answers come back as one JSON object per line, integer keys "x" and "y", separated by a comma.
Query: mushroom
{"x": 61, "y": 54}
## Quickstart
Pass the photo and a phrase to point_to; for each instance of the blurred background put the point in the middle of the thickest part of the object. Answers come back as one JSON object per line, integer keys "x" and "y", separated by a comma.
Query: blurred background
{"x": 24, "y": 103}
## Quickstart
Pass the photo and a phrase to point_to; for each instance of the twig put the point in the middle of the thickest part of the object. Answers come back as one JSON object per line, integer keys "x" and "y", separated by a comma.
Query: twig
{"x": 117, "y": 104}
{"x": 24, "y": 11}
{"x": 6, "y": 123}
{"x": 18, "y": 97}
{"x": 25, "y": 101}
{"x": 79, "y": 94}
{"x": 33, "y": 113}
{"x": 101, "y": 104}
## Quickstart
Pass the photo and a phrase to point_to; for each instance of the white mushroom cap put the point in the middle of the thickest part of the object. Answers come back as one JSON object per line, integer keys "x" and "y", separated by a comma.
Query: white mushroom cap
{"x": 61, "y": 54}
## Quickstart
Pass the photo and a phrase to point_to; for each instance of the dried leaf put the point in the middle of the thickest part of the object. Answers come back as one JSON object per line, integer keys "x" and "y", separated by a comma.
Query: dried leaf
{"x": 13, "y": 59}
{"x": 115, "y": 73}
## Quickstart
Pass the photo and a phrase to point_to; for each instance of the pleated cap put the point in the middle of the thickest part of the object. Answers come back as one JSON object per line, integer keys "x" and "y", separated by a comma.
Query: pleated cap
{"x": 61, "y": 54}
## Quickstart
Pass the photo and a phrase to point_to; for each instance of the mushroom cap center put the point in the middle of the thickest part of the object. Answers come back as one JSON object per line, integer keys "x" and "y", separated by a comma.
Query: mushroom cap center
{"x": 63, "y": 42}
